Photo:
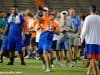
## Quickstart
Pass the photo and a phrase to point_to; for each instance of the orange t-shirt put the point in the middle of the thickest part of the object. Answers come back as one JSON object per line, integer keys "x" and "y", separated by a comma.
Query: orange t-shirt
{"x": 45, "y": 24}
{"x": 48, "y": 24}
{"x": 46, "y": 19}
{"x": 36, "y": 24}
{"x": 55, "y": 26}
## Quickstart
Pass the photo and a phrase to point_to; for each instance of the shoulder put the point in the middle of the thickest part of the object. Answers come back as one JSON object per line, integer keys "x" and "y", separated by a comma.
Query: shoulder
{"x": 91, "y": 17}
{"x": 77, "y": 17}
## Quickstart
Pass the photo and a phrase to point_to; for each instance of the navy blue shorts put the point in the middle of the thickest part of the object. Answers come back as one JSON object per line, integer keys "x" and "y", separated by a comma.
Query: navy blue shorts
{"x": 26, "y": 41}
{"x": 33, "y": 41}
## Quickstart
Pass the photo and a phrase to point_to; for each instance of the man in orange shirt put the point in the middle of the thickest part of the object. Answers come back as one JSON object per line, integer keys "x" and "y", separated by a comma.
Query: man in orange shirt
{"x": 46, "y": 39}
{"x": 47, "y": 28}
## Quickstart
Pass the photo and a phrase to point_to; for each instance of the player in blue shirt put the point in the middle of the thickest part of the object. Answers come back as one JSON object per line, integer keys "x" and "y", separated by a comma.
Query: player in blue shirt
{"x": 16, "y": 25}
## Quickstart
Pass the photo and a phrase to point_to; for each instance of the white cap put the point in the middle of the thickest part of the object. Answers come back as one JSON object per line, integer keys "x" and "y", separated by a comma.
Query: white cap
{"x": 46, "y": 8}
{"x": 63, "y": 12}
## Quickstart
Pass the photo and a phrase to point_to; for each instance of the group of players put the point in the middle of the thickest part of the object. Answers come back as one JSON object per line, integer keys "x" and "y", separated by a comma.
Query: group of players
{"x": 44, "y": 33}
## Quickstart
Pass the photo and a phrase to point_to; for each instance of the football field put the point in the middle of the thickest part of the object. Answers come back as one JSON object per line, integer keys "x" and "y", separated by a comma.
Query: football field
{"x": 34, "y": 67}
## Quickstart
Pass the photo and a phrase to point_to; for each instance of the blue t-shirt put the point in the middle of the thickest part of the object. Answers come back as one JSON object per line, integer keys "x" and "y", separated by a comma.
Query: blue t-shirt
{"x": 15, "y": 29}
{"x": 75, "y": 22}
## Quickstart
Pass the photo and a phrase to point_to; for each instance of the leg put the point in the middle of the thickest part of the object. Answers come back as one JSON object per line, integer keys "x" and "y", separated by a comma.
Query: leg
{"x": 59, "y": 52}
{"x": 1, "y": 57}
{"x": 47, "y": 55}
{"x": 51, "y": 57}
{"x": 18, "y": 42}
{"x": 47, "y": 60}
{"x": 92, "y": 67}
{"x": 4, "y": 50}
{"x": 99, "y": 64}
{"x": 62, "y": 57}
{"x": 70, "y": 58}
{"x": 58, "y": 57}
{"x": 11, "y": 48}
{"x": 11, "y": 56}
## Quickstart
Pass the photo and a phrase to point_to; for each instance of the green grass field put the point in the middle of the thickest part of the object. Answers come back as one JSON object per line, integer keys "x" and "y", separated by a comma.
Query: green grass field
{"x": 34, "y": 67}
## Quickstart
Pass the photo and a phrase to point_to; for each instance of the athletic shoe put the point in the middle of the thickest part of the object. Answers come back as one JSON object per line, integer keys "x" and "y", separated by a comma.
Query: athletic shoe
{"x": 47, "y": 70}
{"x": 10, "y": 63}
{"x": 27, "y": 57}
{"x": 71, "y": 65}
{"x": 52, "y": 65}
{"x": 23, "y": 63}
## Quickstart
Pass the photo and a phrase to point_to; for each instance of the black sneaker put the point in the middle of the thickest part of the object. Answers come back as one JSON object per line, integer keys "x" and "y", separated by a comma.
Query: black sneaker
{"x": 10, "y": 63}
{"x": 23, "y": 63}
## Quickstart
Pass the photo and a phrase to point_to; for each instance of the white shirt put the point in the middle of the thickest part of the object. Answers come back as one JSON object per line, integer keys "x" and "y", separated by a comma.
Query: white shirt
{"x": 38, "y": 33}
{"x": 91, "y": 30}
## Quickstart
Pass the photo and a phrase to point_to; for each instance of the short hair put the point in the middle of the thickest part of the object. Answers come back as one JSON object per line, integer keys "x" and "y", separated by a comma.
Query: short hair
{"x": 92, "y": 8}
{"x": 14, "y": 6}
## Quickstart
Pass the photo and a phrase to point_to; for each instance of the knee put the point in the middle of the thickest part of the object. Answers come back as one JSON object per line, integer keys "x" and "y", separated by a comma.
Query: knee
{"x": 92, "y": 61}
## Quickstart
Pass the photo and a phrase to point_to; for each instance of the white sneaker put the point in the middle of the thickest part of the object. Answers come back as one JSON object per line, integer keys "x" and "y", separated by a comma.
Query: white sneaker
{"x": 47, "y": 70}
{"x": 71, "y": 65}
{"x": 52, "y": 66}
{"x": 37, "y": 58}
{"x": 27, "y": 57}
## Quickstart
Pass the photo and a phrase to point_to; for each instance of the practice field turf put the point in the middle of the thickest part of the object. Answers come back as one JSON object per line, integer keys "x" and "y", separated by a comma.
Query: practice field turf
{"x": 34, "y": 67}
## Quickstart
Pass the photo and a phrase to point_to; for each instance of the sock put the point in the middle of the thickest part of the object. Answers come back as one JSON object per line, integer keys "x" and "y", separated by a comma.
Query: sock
{"x": 51, "y": 60}
{"x": 12, "y": 59}
{"x": 22, "y": 60}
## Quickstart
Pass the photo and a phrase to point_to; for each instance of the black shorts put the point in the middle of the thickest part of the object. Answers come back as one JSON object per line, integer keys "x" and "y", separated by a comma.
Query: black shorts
{"x": 33, "y": 41}
{"x": 54, "y": 45}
